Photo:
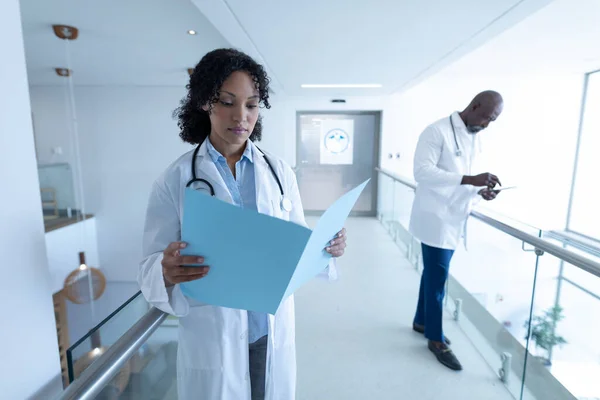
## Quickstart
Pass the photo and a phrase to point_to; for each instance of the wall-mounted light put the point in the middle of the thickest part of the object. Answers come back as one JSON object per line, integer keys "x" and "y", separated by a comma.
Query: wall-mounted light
{"x": 191, "y": 32}
{"x": 342, "y": 86}
{"x": 64, "y": 72}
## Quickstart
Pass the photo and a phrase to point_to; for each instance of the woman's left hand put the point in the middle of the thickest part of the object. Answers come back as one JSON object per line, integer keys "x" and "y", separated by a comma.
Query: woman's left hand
{"x": 338, "y": 245}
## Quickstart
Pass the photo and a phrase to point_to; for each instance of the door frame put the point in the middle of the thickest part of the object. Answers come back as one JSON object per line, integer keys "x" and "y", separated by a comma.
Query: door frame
{"x": 376, "y": 153}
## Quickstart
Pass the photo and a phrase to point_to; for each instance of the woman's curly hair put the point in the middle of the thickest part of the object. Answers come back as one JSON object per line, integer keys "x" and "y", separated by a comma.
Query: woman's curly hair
{"x": 206, "y": 81}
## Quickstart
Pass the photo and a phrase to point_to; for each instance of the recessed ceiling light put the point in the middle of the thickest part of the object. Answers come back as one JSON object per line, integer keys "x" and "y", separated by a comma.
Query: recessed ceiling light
{"x": 343, "y": 86}
{"x": 191, "y": 32}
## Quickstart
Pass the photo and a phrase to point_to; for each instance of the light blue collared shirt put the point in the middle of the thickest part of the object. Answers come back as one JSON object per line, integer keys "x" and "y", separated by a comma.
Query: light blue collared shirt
{"x": 242, "y": 188}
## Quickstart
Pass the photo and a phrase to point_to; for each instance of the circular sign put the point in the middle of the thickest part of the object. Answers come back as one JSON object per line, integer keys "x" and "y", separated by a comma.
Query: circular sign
{"x": 337, "y": 141}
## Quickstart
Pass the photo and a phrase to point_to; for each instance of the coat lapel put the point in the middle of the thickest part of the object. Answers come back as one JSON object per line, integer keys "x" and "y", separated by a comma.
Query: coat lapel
{"x": 206, "y": 169}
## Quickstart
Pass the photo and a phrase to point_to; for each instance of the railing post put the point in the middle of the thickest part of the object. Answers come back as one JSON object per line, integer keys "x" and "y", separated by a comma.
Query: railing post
{"x": 504, "y": 371}
{"x": 457, "y": 309}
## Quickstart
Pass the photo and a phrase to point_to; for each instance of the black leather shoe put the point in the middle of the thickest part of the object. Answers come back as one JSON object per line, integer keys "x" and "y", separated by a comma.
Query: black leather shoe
{"x": 445, "y": 356}
{"x": 421, "y": 329}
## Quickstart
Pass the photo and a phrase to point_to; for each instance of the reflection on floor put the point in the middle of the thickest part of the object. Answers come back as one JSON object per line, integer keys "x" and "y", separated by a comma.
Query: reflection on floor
{"x": 354, "y": 337}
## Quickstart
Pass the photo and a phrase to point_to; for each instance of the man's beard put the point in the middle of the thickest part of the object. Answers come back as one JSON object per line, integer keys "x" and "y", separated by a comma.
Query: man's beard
{"x": 474, "y": 129}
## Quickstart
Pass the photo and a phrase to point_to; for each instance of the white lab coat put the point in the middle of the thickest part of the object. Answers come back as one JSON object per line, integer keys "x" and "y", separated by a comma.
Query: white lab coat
{"x": 442, "y": 205}
{"x": 212, "y": 359}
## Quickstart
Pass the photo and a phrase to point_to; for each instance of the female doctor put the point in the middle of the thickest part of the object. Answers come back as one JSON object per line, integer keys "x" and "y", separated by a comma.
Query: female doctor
{"x": 223, "y": 353}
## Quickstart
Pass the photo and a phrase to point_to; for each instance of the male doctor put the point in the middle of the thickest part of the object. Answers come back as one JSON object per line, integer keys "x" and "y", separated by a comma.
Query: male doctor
{"x": 446, "y": 193}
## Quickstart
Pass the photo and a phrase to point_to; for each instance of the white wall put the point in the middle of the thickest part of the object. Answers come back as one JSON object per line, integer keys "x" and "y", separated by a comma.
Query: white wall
{"x": 531, "y": 145}
{"x": 63, "y": 246}
{"x": 46, "y": 121}
{"x": 128, "y": 138}
{"x": 28, "y": 342}
{"x": 81, "y": 319}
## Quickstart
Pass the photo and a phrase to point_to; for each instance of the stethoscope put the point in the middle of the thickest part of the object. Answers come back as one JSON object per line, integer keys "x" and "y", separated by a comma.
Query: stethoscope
{"x": 458, "y": 150}
{"x": 286, "y": 204}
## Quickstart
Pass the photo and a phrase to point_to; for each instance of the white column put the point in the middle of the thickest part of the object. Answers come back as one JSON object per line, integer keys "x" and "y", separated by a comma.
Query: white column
{"x": 29, "y": 356}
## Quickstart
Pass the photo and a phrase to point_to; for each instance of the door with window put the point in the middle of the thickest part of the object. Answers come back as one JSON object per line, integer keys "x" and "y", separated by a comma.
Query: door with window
{"x": 335, "y": 153}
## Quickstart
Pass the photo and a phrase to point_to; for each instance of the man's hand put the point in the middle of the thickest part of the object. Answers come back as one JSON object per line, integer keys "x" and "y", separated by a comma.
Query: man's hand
{"x": 488, "y": 194}
{"x": 486, "y": 179}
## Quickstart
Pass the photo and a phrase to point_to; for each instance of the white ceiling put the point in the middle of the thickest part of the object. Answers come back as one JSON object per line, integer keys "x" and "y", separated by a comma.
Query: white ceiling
{"x": 562, "y": 37}
{"x": 144, "y": 42}
{"x": 390, "y": 42}
{"x": 121, "y": 42}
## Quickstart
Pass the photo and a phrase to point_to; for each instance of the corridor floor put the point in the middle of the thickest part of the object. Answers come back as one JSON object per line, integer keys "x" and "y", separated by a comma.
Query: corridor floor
{"x": 354, "y": 336}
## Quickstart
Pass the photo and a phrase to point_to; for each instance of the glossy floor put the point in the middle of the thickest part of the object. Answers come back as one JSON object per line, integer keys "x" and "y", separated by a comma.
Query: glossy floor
{"x": 354, "y": 336}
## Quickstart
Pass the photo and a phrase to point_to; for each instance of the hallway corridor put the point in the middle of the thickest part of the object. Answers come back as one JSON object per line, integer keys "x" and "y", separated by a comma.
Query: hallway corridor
{"x": 354, "y": 336}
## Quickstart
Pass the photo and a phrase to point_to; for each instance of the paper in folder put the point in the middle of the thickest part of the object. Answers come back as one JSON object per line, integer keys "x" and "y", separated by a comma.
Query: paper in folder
{"x": 256, "y": 261}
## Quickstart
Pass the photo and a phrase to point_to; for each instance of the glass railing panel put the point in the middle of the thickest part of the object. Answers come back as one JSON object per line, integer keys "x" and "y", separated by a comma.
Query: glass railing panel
{"x": 397, "y": 223}
{"x": 404, "y": 197}
{"x": 523, "y": 226}
{"x": 581, "y": 278}
{"x": 578, "y": 276}
{"x": 87, "y": 349}
{"x": 85, "y": 316}
{"x": 489, "y": 294}
{"x": 385, "y": 210}
{"x": 564, "y": 343}
{"x": 151, "y": 373}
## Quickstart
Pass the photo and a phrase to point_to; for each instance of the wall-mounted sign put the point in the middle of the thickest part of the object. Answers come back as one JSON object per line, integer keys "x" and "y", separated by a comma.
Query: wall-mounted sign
{"x": 337, "y": 141}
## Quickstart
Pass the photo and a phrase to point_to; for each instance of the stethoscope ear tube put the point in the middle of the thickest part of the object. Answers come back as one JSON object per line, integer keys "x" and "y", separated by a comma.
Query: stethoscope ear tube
{"x": 458, "y": 150}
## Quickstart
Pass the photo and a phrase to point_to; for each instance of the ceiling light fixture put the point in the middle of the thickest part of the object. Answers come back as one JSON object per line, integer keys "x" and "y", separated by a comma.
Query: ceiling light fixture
{"x": 64, "y": 72}
{"x": 65, "y": 32}
{"x": 343, "y": 86}
{"x": 191, "y": 32}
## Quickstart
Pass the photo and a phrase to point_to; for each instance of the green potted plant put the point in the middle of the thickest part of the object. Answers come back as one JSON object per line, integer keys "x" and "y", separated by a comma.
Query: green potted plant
{"x": 543, "y": 332}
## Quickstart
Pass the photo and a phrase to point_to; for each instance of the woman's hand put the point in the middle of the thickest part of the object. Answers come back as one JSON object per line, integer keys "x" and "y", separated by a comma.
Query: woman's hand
{"x": 173, "y": 265}
{"x": 338, "y": 245}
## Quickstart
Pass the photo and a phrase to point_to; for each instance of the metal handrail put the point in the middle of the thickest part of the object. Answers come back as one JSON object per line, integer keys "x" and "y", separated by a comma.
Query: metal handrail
{"x": 577, "y": 241}
{"x": 575, "y": 259}
{"x": 107, "y": 366}
{"x": 91, "y": 382}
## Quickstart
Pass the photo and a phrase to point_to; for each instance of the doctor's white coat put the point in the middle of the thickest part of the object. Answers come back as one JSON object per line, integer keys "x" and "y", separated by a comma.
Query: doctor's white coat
{"x": 212, "y": 359}
{"x": 442, "y": 205}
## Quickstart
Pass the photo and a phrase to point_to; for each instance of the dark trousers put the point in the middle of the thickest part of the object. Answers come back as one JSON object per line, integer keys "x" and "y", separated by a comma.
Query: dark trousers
{"x": 258, "y": 367}
{"x": 436, "y": 263}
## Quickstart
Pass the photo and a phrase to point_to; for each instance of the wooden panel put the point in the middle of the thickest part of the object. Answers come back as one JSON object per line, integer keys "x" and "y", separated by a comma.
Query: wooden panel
{"x": 62, "y": 333}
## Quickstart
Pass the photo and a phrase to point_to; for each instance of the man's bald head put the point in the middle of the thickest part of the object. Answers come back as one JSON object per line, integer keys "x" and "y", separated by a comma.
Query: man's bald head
{"x": 483, "y": 109}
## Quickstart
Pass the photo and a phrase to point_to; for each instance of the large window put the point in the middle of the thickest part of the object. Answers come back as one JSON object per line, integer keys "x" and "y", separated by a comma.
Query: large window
{"x": 585, "y": 211}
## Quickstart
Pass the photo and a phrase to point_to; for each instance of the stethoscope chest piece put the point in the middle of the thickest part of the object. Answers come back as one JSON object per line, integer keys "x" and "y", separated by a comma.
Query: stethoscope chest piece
{"x": 286, "y": 204}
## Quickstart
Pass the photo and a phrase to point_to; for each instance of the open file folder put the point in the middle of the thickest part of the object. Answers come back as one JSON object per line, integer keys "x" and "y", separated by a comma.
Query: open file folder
{"x": 256, "y": 261}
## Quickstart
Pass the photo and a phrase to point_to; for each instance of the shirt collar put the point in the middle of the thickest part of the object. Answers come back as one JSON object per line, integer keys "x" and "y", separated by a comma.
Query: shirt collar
{"x": 216, "y": 156}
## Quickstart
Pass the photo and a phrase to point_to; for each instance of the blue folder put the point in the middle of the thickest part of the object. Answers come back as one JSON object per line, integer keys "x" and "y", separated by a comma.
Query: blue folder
{"x": 256, "y": 261}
